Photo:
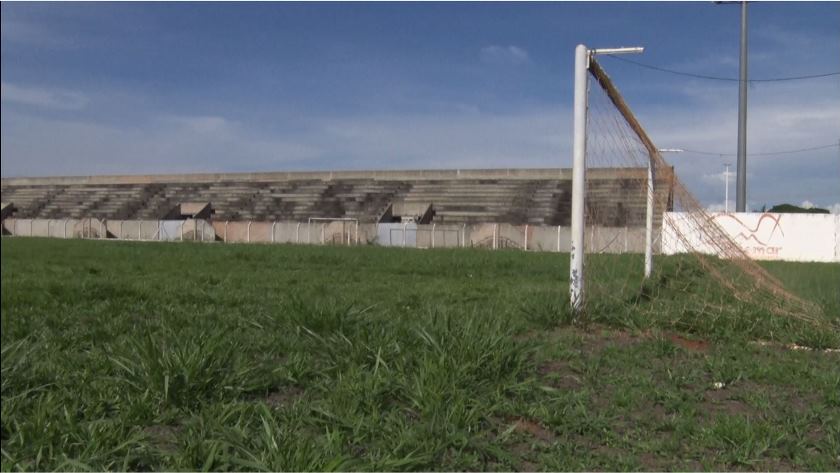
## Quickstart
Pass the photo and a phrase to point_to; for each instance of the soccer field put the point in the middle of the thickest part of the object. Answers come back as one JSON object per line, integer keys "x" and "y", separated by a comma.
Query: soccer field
{"x": 167, "y": 356}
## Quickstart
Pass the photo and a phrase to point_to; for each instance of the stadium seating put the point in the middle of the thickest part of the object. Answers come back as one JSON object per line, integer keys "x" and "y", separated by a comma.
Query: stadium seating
{"x": 536, "y": 199}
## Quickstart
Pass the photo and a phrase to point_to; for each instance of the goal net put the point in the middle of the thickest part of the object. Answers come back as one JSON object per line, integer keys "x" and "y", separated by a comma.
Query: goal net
{"x": 630, "y": 193}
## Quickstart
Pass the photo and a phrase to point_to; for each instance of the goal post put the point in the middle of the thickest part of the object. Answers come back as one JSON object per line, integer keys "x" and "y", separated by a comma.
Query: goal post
{"x": 576, "y": 282}
{"x": 621, "y": 183}
{"x": 585, "y": 64}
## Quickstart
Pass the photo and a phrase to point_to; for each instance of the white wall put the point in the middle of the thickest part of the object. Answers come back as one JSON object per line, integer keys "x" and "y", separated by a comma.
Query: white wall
{"x": 765, "y": 236}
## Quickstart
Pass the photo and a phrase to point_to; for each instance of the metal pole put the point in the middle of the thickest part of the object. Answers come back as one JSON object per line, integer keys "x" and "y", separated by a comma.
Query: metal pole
{"x": 526, "y": 237}
{"x": 649, "y": 220}
{"x": 741, "y": 198}
{"x": 625, "y": 239}
{"x": 433, "y": 235}
{"x": 726, "y": 191}
{"x": 578, "y": 179}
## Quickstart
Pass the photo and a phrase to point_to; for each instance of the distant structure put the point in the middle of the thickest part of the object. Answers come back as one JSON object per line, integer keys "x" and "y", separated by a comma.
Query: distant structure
{"x": 511, "y": 196}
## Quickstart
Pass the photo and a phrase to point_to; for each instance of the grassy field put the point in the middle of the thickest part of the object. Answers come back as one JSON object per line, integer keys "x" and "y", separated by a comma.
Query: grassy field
{"x": 124, "y": 355}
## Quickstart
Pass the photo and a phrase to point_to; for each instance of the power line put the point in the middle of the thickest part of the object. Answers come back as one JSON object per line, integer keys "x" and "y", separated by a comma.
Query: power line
{"x": 774, "y": 153}
{"x": 727, "y": 79}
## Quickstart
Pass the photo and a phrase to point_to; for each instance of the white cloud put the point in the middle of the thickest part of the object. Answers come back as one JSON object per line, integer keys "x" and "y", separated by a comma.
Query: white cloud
{"x": 783, "y": 117}
{"x": 532, "y": 138}
{"x": 161, "y": 145}
{"x": 504, "y": 55}
{"x": 184, "y": 143}
{"x": 44, "y": 98}
{"x": 807, "y": 204}
{"x": 716, "y": 207}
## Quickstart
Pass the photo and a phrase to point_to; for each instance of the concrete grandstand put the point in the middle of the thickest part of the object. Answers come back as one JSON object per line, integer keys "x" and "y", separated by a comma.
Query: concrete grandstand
{"x": 504, "y": 196}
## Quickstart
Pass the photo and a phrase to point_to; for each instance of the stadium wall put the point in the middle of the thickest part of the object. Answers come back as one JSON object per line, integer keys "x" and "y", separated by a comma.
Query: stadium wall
{"x": 485, "y": 235}
{"x": 764, "y": 236}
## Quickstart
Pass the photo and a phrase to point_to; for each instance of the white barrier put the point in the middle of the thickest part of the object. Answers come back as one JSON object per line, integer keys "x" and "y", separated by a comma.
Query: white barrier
{"x": 789, "y": 237}
{"x": 484, "y": 235}
{"x": 765, "y": 236}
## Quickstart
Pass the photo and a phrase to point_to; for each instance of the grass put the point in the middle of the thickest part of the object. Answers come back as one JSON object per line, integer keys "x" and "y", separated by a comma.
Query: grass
{"x": 148, "y": 356}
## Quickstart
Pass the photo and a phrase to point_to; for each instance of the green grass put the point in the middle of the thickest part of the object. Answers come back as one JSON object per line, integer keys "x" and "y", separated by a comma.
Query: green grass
{"x": 148, "y": 356}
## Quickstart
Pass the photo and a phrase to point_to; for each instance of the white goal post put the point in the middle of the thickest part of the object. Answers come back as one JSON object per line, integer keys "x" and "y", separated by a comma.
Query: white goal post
{"x": 584, "y": 65}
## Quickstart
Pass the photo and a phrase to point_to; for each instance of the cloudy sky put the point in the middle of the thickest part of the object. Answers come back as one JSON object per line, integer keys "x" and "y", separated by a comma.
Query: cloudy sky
{"x": 158, "y": 88}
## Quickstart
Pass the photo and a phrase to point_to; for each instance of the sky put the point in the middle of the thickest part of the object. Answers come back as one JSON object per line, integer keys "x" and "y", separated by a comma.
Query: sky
{"x": 125, "y": 88}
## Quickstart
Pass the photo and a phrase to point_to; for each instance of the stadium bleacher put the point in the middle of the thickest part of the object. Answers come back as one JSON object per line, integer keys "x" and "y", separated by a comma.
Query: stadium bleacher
{"x": 536, "y": 197}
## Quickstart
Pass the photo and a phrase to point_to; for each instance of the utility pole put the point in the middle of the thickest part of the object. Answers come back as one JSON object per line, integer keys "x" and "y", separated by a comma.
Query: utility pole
{"x": 726, "y": 191}
{"x": 741, "y": 198}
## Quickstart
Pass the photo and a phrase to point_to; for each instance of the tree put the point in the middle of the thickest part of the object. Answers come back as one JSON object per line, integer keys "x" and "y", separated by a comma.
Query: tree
{"x": 795, "y": 209}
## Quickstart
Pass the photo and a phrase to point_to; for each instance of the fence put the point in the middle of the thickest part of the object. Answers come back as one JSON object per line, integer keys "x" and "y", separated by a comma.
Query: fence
{"x": 334, "y": 232}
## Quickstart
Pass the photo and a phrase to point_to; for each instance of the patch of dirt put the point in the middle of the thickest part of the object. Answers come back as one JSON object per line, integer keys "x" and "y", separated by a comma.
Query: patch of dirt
{"x": 701, "y": 346}
{"x": 525, "y": 465}
{"x": 654, "y": 412}
{"x": 561, "y": 375}
{"x": 626, "y": 339}
{"x": 776, "y": 464}
{"x": 607, "y": 451}
{"x": 801, "y": 403}
{"x": 651, "y": 462}
{"x": 594, "y": 337}
{"x": 647, "y": 414}
{"x": 283, "y": 396}
{"x": 553, "y": 366}
{"x": 164, "y": 437}
{"x": 534, "y": 429}
{"x": 815, "y": 435}
{"x": 601, "y": 338}
{"x": 523, "y": 452}
{"x": 720, "y": 401}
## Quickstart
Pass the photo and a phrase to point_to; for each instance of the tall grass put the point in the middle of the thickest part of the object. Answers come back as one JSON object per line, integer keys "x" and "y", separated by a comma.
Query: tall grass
{"x": 234, "y": 357}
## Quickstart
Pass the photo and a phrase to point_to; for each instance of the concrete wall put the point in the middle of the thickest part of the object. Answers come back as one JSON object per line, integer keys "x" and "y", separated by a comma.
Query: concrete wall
{"x": 487, "y": 235}
{"x": 790, "y": 237}
{"x": 316, "y": 232}
{"x": 55, "y": 228}
{"x": 134, "y": 229}
{"x": 765, "y": 236}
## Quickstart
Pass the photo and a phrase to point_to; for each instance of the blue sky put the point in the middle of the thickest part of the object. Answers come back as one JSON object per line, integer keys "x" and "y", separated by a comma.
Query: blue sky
{"x": 99, "y": 88}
